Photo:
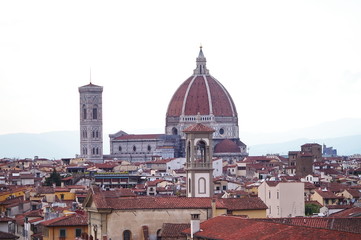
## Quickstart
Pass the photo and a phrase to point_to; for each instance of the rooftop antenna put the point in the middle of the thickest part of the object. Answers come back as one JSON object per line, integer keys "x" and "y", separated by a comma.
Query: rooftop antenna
{"x": 90, "y": 75}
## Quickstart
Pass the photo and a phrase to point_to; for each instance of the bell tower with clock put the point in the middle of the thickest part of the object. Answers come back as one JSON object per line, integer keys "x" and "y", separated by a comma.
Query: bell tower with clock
{"x": 91, "y": 122}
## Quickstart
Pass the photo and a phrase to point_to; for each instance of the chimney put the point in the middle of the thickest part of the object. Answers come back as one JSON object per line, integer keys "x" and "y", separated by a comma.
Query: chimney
{"x": 195, "y": 224}
{"x": 214, "y": 208}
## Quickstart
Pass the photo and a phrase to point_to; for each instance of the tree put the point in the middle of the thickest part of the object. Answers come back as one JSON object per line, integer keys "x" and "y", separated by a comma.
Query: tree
{"x": 53, "y": 178}
{"x": 311, "y": 208}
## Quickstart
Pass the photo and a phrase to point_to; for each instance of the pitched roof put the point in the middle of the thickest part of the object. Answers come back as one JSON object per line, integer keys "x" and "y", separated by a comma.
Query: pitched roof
{"x": 339, "y": 224}
{"x": 105, "y": 199}
{"x": 5, "y": 235}
{"x": 230, "y": 228}
{"x": 350, "y": 212}
{"x": 173, "y": 230}
{"x": 326, "y": 194}
{"x": 139, "y": 136}
{"x": 70, "y": 220}
{"x": 241, "y": 203}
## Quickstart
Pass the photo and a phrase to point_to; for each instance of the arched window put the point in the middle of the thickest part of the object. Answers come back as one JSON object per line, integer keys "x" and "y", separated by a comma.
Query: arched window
{"x": 120, "y": 148}
{"x": 96, "y": 134}
{"x": 85, "y": 135}
{"x": 149, "y": 148}
{"x": 174, "y": 131}
{"x": 201, "y": 186}
{"x": 97, "y": 150}
{"x": 201, "y": 151}
{"x": 134, "y": 148}
{"x": 159, "y": 233}
{"x": 189, "y": 185}
{"x": 93, "y": 133}
{"x": 84, "y": 111}
{"x": 93, "y": 151}
{"x": 188, "y": 149}
{"x": 127, "y": 235}
{"x": 95, "y": 112}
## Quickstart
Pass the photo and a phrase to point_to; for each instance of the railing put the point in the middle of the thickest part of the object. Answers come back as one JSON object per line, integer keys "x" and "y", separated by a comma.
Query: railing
{"x": 198, "y": 165}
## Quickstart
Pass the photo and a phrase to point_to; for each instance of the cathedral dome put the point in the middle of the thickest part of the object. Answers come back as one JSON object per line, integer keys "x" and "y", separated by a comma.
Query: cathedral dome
{"x": 201, "y": 93}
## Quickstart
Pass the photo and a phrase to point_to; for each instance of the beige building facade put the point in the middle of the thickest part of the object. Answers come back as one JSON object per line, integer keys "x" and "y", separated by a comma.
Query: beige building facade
{"x": 283, "y": 199}
{"x": 111, "y": 215}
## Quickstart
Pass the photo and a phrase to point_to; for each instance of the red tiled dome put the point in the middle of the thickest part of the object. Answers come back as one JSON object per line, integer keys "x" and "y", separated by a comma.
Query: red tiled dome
{"x": 201, "y": 93}
{"x": 226, "y": 146}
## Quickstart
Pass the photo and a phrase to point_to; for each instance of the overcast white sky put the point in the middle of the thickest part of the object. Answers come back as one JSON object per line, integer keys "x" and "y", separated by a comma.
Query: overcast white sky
{"x": 287, "y": 64}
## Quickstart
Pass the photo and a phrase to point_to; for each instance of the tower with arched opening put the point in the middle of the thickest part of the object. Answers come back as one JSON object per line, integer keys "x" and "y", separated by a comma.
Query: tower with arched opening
{"x": 91, "y": 122}
{"x": 199, "y": 153}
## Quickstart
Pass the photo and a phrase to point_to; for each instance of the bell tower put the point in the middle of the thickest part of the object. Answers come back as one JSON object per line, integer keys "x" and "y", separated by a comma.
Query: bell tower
{"x": 91, "y": 122}
{"x": 199, "y": 160}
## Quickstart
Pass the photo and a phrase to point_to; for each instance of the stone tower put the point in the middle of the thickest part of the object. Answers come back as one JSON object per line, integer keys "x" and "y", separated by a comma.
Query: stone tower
{"x": 199, "y": 160}
{"x": 91, "y": 122}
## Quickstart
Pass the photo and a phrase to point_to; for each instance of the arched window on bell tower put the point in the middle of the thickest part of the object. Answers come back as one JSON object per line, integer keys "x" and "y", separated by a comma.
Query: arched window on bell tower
{"x": 95, "y": 112}
{"x": 84, "y": 111}
{"x": 199, "y": 160}
{"x": 201, "y": 151}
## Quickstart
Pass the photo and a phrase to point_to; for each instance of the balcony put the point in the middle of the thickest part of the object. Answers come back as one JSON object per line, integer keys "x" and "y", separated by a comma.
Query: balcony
{"x": 198, "y": 165}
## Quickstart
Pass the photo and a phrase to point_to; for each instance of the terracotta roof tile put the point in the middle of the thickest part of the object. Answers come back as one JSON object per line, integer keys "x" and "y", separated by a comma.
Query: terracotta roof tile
{"x": 230, "y": 228}
{"x": 173, "y": 230}
{"x": 339, "y": 224}
{"x": 70, "y": 220}
{"x": 139, "y": 136}
{"x": 351, "y": 212}
{"x": 107, "y": 199}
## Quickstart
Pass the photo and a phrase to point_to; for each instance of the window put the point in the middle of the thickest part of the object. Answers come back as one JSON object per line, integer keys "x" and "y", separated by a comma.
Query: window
{"x": 278, "y": 195}
{"x": 189, "y": 185}
{"x": 224, "y": 187}
{"x": 201, "y": 151}
{"x": 149, "y": 148}
{"x": 269, "y": 194}
{"x": 84, "y": 112}
{"x": 127, "y": 235}
{"x": 120, "y": 148}
{"x": 62, "y": 196}
{"x": 134, "y": 148}
{"x": 221, "y": 131}
{"x": 62, "y": 233}
{"x": 78, "y": 232}
{"x": 85, "y": 135}
{"x": 95, "y": 113}
{"x": 174, "y": 131}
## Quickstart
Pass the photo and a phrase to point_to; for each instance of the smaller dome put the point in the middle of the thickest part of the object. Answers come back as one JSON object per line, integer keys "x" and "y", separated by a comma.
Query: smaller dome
{"x": 226, "y": 146}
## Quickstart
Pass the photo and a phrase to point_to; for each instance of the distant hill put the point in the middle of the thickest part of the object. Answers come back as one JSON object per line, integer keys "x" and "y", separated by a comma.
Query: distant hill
{"x": 345, "y": 145}
{"x": 51, "y": 145}
{"x": 344, "y": 135}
